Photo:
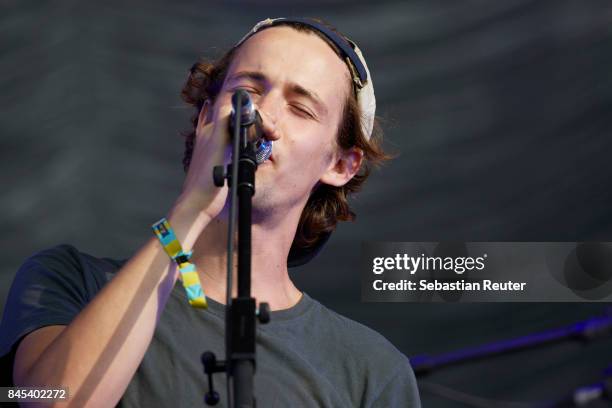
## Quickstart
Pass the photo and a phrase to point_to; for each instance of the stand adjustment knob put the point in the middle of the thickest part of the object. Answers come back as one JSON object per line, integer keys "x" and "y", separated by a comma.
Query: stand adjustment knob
{"x": 219, "y": 176}
{"x": 263, "y": 313}
{"x": 212, "y": 398}
{"x": 209, "y": 360}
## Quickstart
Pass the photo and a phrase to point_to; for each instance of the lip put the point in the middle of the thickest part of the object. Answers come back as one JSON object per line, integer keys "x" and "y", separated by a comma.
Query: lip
{"x": 267, "y": 161}
{"x": 270, "y": 159}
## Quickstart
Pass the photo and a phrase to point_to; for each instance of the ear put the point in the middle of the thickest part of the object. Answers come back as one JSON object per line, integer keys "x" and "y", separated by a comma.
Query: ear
{"x": 205, "y": 114}
{"x": 345, "y": 165}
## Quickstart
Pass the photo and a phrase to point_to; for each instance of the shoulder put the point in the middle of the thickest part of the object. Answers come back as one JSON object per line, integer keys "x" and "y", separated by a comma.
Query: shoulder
{"x": 51, "y": 287}
{"x": 59, "y": 275}
{"x": 388, "y": 377}
{"x": 66, "y": 254}
{"x": 66, "y": 262}
{"x": 57, "y": 281}
{"x": 357, "y": 336}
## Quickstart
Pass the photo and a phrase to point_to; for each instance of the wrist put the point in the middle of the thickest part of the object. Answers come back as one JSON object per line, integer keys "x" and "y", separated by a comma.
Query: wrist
{"x": 187, "y": 221}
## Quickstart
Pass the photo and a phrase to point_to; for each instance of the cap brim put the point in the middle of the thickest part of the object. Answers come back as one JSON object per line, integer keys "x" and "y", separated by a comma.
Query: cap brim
{"x": 299, "y": 257}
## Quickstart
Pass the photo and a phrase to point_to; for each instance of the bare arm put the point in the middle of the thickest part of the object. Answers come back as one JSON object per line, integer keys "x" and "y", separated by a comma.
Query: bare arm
{"x": 97, "y": 354}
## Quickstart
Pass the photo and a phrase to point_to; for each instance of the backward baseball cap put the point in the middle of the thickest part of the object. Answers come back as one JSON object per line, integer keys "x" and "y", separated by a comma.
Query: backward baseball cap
{"x": 364, "y": 90}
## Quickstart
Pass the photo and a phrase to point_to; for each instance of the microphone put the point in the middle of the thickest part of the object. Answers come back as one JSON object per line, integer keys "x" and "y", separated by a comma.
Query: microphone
{"x": 249, "y": 117}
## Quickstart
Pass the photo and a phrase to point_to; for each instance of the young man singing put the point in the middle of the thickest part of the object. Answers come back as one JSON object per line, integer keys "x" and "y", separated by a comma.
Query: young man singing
{"x": 122, "y": 332}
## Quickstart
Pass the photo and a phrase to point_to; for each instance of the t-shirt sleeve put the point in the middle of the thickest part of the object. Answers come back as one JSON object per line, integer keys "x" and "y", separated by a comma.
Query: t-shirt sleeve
{"x": 400, "y": 390}
{"x": 50, "y": 288}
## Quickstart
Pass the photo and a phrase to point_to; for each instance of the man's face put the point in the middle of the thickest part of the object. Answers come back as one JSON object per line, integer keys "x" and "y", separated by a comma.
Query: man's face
{"x": 299, "y": 86}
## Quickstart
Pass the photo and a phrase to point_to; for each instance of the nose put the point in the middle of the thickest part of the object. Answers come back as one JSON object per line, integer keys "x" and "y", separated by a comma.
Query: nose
{"x": 270, "y": 130}
{"x": 269, "y": 119}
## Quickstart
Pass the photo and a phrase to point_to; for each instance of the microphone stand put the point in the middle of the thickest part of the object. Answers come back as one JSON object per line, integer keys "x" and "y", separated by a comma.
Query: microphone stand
{"x": 586, "y": 395}
{"x": 587, "y": 330}
{"x": 239, "y": 364}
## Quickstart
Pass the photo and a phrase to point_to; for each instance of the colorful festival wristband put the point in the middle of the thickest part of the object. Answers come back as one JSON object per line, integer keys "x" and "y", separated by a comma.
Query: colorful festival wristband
{"x": 191, "y": 281}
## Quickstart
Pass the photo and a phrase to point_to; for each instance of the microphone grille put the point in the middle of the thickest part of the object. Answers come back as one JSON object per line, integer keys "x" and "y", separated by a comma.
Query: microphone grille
{"x": 264, "y": 150}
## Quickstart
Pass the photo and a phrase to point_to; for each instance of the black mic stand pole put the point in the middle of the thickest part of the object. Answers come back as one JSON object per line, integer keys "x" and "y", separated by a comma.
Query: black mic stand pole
{"x": 239, "y": 364}
{"x": 240, "y": 324}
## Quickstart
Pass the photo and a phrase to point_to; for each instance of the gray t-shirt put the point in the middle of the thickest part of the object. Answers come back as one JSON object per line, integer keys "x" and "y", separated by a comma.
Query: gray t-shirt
{"x": 307, "y": 356}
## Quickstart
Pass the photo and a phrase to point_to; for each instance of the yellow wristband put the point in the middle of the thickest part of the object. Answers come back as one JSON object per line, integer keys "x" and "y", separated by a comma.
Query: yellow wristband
{"x": 189, "y": 275}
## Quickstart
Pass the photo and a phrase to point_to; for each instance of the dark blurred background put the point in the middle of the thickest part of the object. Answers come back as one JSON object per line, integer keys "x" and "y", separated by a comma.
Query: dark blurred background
{"x": 501, "y": 113}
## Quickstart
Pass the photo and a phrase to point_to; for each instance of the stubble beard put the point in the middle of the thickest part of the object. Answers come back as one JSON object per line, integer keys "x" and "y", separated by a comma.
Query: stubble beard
{"x": 263, "y": 205}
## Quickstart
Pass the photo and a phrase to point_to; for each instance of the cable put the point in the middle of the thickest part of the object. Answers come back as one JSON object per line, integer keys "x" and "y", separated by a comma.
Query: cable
{"x": 472, "y": 400}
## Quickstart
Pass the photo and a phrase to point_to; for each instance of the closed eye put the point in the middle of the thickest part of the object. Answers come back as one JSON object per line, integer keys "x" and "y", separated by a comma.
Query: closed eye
{"x": 247, "y": 89}
{"x": 302, "y": 111}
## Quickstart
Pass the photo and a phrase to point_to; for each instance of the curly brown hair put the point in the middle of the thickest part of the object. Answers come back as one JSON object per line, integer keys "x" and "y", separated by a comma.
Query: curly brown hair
{"x": 327, "y": 204}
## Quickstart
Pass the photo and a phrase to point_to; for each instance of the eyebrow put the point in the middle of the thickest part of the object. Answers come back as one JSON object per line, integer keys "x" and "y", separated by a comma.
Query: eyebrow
{"x": 293, "y": 88}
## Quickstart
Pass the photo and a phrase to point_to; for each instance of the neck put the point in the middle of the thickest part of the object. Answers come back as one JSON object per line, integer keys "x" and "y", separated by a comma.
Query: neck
{"x": 270, "y": 244}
